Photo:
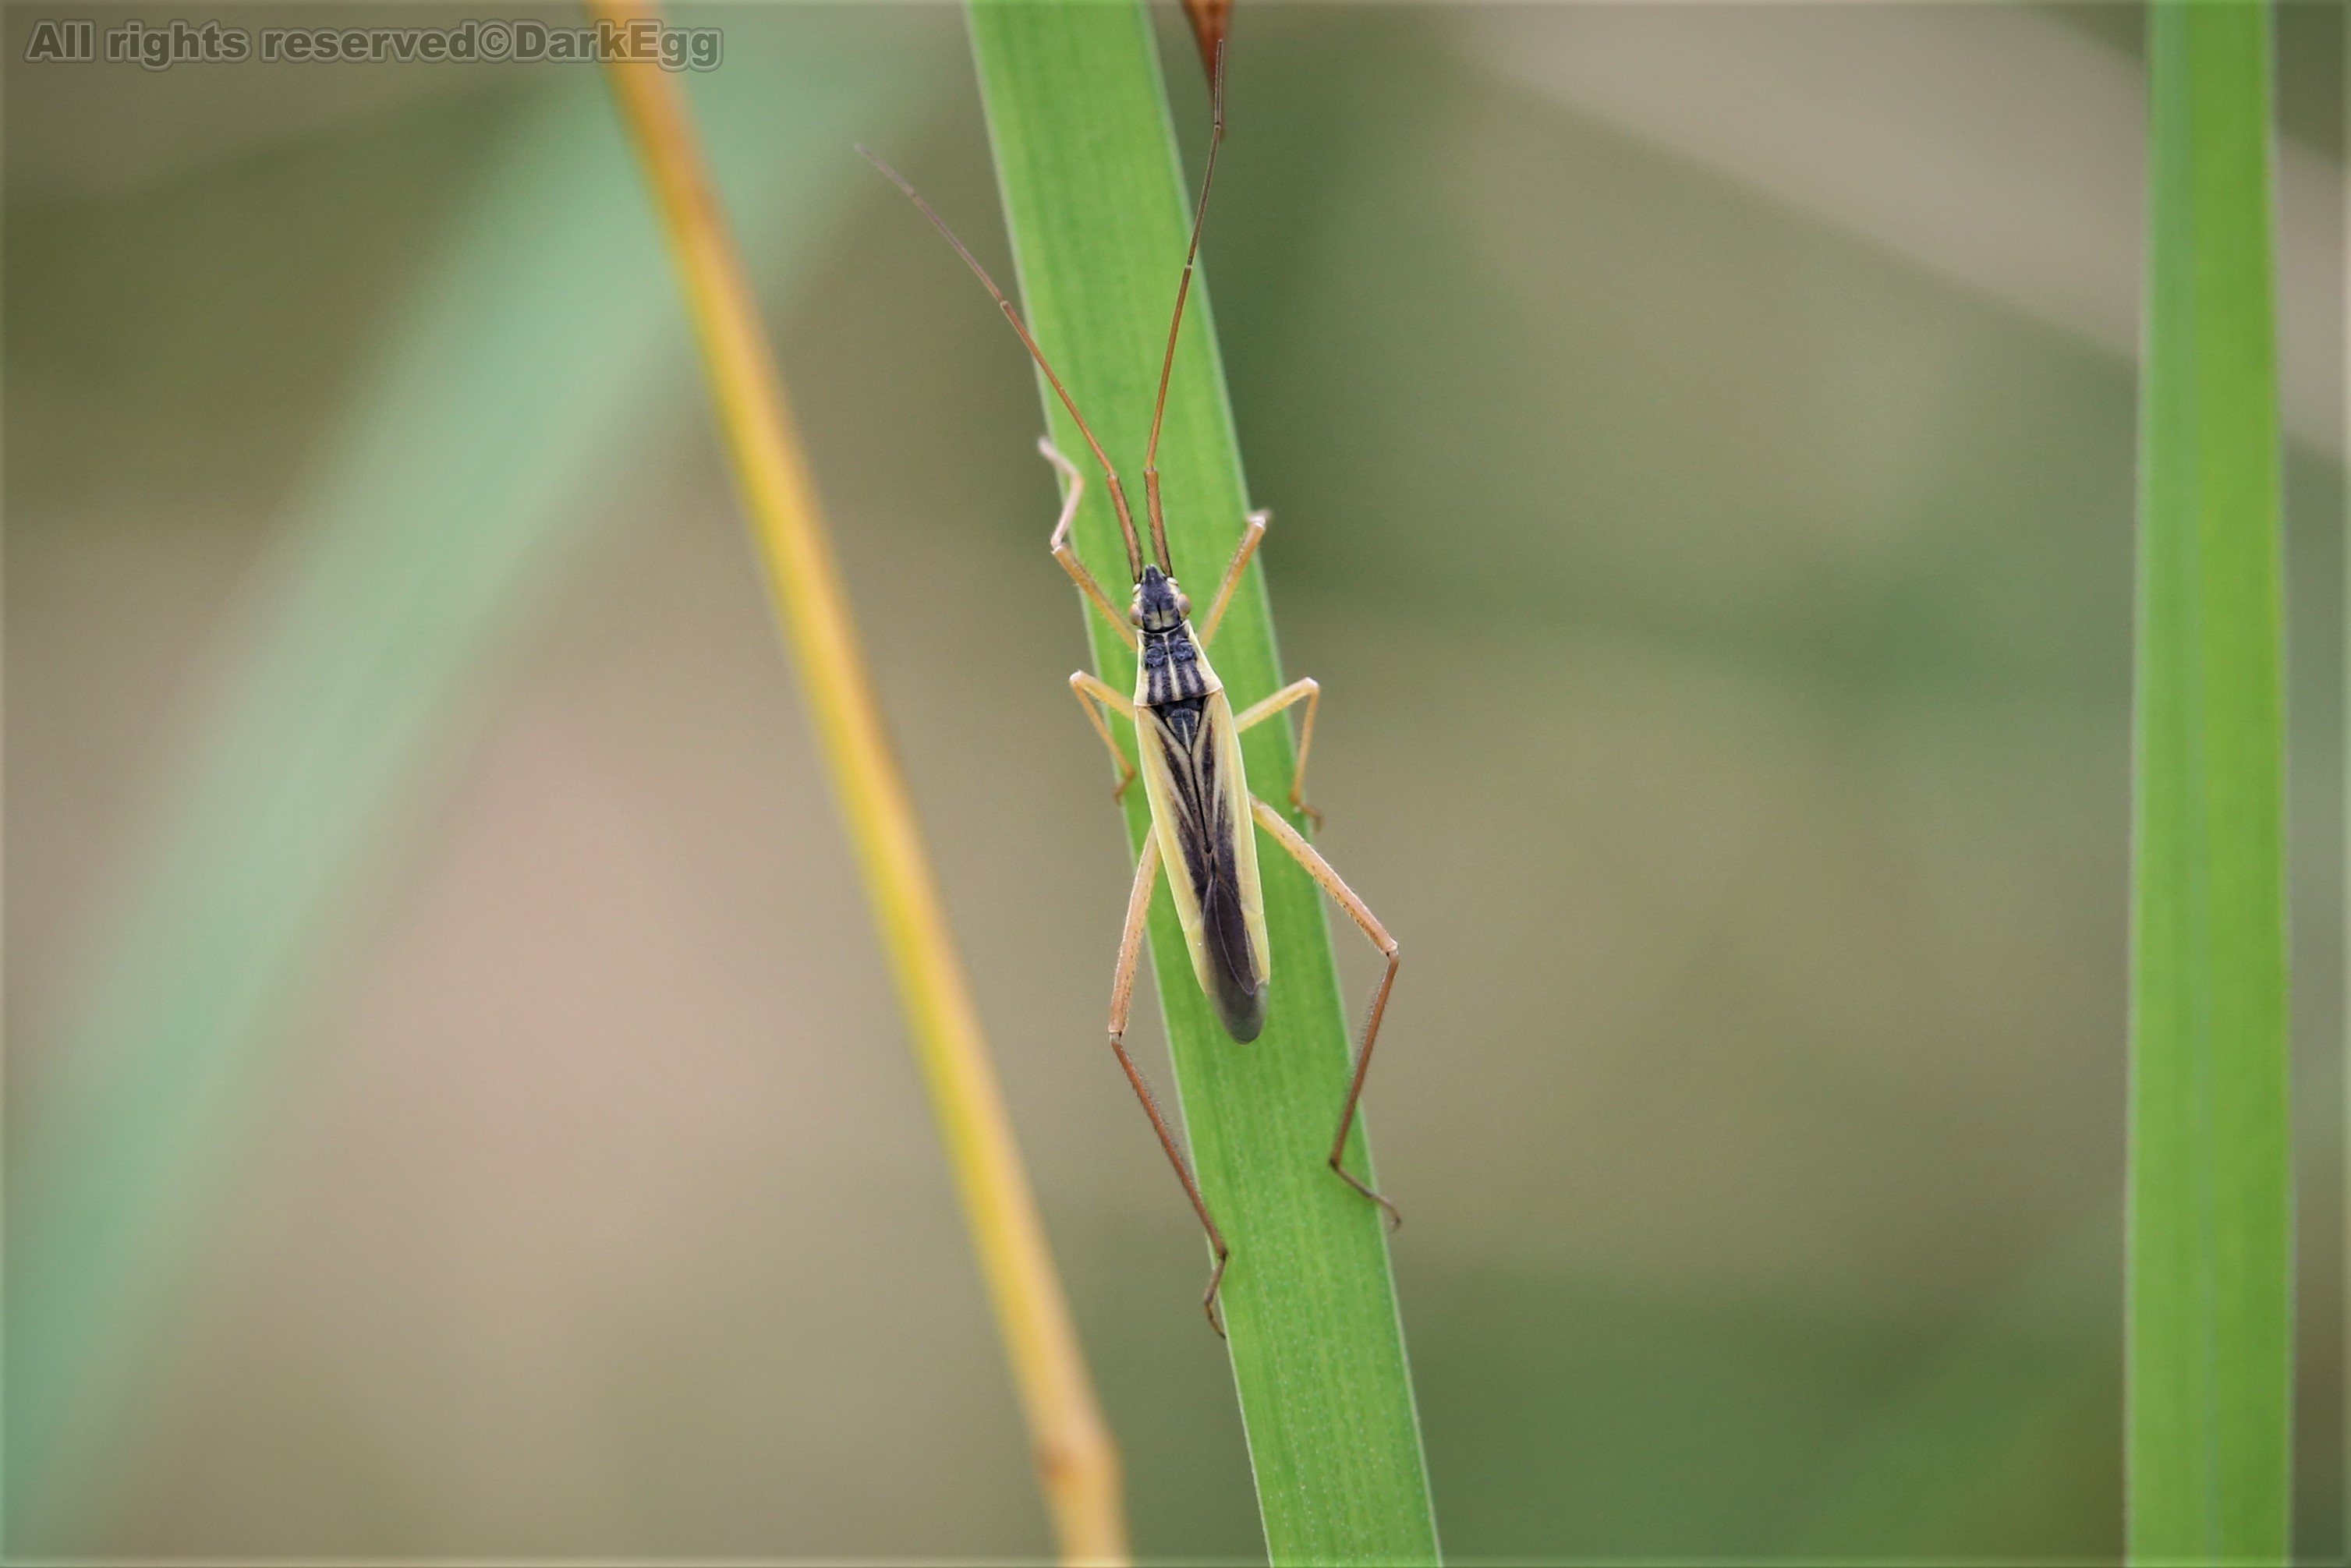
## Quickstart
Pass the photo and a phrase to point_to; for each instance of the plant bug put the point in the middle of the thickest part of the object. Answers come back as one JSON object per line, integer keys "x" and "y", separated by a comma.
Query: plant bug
{"x": 1188, "y": 738}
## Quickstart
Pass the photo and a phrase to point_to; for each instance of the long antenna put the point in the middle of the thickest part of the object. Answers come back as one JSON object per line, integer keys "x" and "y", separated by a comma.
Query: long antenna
{"x": 1117, "y": 491}
{"x": 1182, "y": 290}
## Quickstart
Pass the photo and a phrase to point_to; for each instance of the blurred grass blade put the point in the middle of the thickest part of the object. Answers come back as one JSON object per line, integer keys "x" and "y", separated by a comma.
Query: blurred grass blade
{"x": 475, "y": 450}
{"x": 2210, "y": 1267}
{"x": 1077, "y": 1464}
{"x": 1096, "y": 205}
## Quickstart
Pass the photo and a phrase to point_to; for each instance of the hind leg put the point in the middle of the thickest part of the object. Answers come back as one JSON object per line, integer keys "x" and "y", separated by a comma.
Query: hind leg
{"x": 1358, "y": 911}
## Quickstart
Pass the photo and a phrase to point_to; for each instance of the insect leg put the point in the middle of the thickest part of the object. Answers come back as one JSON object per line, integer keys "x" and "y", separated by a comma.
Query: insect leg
{"x": 1090, "y": 691}
{"x": 1122, "y": 998}
{"x": 1068, "y": 557}
{"x": 1308, "y": 691}
{"x": 1252, "y": 536}
{"x": 1319, "y": 870}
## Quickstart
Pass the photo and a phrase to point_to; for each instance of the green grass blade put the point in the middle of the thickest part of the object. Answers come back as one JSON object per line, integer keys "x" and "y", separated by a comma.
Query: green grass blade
{"x": 1096, "y": 205}
{"x": 2211, "y": 1268}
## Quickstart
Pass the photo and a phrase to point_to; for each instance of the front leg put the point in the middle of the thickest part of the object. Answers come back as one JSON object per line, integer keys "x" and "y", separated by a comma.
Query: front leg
{"x": 1252, "y": 536}
{"x": 1090, "y": 691}
{"x": 1068, "y": 557}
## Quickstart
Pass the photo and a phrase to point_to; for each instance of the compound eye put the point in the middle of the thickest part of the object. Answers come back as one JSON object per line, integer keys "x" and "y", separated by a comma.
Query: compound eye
{"x": 1183, "y": 604}
{"x": 1135, "y": 616}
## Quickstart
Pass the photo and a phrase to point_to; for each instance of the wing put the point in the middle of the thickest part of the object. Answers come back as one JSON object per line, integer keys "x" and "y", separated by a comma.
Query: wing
{"x": 1199, "y": 809}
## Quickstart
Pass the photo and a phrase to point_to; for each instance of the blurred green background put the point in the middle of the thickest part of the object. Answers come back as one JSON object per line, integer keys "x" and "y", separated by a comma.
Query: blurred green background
{"x": 1701, "y": 447}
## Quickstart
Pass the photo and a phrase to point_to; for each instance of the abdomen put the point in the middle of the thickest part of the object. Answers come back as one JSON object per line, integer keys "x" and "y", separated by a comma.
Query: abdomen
{"x": 1200, "y": 797}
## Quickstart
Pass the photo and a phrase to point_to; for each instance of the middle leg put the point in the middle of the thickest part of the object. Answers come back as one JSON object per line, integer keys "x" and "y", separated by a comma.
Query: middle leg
{"x": 1305, "y": 689}
{"x": 1089, "y": 692}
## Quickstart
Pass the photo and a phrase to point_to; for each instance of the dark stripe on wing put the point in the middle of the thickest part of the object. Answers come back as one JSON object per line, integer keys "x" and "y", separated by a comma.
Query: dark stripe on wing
{"x": 1240, "y": 994}
{"x": 1204, "y": 831}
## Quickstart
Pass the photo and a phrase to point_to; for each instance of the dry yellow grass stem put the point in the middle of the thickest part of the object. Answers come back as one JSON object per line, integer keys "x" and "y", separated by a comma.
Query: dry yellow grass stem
{"x": 1076, "y": 1461}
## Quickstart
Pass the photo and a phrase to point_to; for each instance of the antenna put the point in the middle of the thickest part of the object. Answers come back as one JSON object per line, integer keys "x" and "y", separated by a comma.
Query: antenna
{"x": 1182, "y": 290}
{"x": 1117, "y": 492}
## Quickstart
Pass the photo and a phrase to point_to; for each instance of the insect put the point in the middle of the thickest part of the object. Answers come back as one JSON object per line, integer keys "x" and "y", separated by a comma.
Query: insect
{"x": 1204, "y": 818}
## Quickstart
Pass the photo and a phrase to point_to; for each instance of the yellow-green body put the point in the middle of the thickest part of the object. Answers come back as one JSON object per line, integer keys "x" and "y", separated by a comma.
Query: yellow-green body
{"x": 1193, "y": 778}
